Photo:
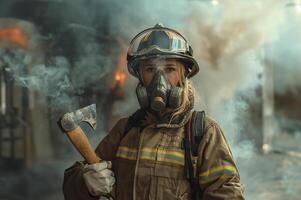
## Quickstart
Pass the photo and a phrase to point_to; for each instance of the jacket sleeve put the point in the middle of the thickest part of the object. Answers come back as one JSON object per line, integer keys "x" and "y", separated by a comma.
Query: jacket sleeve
{"x": 218, "y": 175}
{"x": 74, "y": 187}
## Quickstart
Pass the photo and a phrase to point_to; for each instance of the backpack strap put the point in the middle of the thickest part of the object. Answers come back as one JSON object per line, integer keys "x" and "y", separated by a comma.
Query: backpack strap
{"x": 197, "y": 130}
{"x": 134, "y": 120}
{"x": 194, "y": 130}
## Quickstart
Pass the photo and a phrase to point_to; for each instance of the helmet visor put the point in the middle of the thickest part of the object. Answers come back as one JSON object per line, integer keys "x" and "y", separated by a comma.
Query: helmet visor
{"x": 154, "y": 39}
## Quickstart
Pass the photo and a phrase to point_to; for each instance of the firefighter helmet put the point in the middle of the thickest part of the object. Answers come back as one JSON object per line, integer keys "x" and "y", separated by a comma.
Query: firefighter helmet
{"x": 160, "y": 42}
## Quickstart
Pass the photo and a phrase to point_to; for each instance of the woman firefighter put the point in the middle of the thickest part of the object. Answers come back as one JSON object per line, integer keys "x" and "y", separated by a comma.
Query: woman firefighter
{"x": 164, "y": 151}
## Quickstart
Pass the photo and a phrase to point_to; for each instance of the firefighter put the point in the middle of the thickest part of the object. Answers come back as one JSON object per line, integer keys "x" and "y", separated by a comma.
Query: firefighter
{"x": 146, "y": 149}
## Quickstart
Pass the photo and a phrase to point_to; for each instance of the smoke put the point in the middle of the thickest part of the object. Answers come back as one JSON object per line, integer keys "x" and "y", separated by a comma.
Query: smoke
{"x": 51, "y": 81}
{"x": 231, "y": 41}
{"x": 285, "y": 53}
{"x": 74, "y": 64}
{"x": 228, "y": 41}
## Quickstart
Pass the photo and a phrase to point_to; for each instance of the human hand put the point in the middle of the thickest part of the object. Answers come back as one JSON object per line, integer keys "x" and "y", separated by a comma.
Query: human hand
{"x": 98, "y": 178}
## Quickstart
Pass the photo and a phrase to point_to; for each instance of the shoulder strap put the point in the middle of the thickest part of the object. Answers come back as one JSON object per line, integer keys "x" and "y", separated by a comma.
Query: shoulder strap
{"x": 134, "y": 120}
{"x": 194, "y": 129}
{"x": 197, "y": 130}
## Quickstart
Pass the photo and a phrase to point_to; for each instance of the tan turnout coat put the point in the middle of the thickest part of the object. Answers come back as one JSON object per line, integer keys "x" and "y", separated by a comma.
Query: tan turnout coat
{"x": 149, "y": 164}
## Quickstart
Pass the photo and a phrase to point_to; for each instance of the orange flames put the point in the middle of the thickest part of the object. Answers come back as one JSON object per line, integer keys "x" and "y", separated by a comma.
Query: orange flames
{"x": 117, "y": 86}
{"x": 14, "y": 35}
{"x": 120, "y": 76}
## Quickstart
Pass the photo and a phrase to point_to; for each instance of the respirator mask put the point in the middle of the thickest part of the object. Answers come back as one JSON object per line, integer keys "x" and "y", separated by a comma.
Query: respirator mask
{"x": 159, "y": 94}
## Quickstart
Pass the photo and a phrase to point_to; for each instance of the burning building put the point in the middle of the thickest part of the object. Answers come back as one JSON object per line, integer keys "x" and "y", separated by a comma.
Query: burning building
{"x": 41, "y": 56}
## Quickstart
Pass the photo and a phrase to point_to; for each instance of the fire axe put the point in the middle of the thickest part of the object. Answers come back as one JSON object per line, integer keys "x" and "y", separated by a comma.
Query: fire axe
{"x": 69, "y": 124}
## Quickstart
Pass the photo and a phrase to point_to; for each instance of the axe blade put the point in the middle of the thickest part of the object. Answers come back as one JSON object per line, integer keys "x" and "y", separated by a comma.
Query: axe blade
{"x": 88, "y": 115}
{"x": 71, "y": 120}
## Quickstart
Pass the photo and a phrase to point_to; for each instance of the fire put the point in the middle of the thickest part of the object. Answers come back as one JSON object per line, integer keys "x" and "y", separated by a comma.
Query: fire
{"x": 120, "y": 76}
{"x": 117, "y": 86}
{"x": 119, "y": 73}
{"x": 14, "y": 35}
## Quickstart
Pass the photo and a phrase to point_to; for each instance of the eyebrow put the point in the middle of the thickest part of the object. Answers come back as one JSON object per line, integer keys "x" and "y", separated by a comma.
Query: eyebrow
{"x": 170, "y": 64}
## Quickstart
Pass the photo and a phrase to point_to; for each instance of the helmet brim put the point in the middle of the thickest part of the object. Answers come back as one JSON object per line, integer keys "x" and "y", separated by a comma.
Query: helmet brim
{"x": 189, "y": 62}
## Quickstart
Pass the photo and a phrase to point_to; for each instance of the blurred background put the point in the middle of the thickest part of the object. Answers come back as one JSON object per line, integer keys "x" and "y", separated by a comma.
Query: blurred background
{"x": 60, "y": 55}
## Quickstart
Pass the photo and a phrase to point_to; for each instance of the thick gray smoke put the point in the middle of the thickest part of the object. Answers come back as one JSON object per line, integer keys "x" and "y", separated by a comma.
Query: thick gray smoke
{"x": 78, "y": 61}
{"x": 285, "y": 52}
{"x": 230, "y": 39}
{"x": 51, "y": 81}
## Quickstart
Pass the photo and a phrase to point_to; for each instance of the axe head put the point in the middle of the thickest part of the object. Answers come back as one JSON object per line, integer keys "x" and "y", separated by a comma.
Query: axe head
{"x": 71, "y": 120}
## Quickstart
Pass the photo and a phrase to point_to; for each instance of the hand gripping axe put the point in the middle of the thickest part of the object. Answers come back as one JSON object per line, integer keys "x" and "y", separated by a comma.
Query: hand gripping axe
{"x": 69, "y": 123}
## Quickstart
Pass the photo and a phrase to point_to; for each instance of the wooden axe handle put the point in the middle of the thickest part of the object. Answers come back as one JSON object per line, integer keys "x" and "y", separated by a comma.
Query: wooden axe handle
{"x": 81, "y": 143}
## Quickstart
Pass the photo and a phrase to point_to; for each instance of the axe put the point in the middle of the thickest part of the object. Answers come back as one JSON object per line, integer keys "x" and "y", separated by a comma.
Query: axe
{"x": 69, "y": 123}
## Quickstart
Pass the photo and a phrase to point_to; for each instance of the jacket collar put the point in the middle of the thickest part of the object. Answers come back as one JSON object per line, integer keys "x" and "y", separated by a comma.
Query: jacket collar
{"x": 143, "y": 118}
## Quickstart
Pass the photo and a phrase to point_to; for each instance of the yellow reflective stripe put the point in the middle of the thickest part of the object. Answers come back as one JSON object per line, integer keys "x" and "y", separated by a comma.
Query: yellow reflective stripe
{"x": 124, "y": 148}
{"x": 147, "y": 153}
{"x": 219, "y": 168}
{"x": 152, "y": 150}
{"x": 172, "y": 152}
{"x": 147, "y": 149}
{"x": 124, "y": 152}
{"x": 220, "y": 172}
{"x": 126, "y": 156}
{"x": 145, "y": 157}
{"x": 171, "y": 161}
{"x": 225, "y": 176}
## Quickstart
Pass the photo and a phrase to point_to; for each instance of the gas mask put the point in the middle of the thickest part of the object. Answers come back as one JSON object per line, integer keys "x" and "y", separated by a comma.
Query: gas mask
{"x": 159, "y": 94}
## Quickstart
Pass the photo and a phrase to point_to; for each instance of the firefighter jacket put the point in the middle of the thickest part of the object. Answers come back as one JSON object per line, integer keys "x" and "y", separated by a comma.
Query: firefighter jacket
{"x": 148, "y": 163}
